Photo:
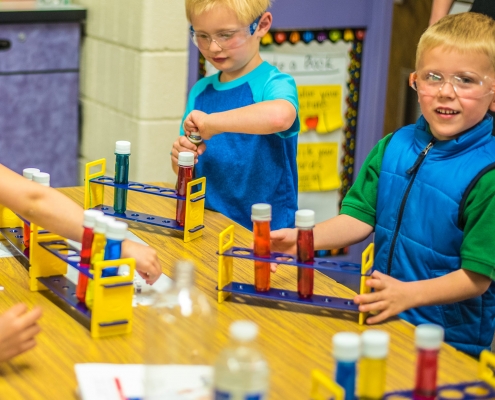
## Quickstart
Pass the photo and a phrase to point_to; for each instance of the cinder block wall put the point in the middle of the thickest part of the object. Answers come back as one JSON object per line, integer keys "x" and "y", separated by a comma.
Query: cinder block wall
{"x": 133, "y": 83}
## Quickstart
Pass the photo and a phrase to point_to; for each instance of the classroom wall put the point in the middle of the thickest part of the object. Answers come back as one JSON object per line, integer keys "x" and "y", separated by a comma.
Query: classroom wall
{"x": 410, "y": 20}
{"x": 133, "y": 83}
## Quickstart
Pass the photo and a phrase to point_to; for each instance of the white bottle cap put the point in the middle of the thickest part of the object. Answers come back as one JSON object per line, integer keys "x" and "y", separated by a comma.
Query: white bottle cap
{"x": 122, "y": 147}
{"x": 243, "y": 331}
{"x": 429, "y": 336}
{"x": 346, "y": 346}
{"x": 261, "y": 212}
{"x": 116, "y": 230}
{"x": 101, "y": 223}
{"x": 90, "y": 218}
{"x": 375, "y": 344}
{"x": 186, "y": 159}
{"x": 42, "y": 178}
{"x": 28, "y": 172}
{"x": 305, "y": 219}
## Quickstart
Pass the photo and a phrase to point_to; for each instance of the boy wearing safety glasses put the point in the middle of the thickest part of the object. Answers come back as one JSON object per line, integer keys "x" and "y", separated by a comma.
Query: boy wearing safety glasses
{"x": 427, "y": 192}
{"x": 246, "y": 114}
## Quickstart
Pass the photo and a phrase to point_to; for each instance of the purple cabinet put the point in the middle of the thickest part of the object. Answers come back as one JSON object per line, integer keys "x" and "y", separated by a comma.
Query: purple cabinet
{"x": 39, "y": 89}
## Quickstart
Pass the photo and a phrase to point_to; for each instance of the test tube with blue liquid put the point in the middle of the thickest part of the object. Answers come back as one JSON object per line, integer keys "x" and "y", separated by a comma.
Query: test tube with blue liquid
{"x": 346, "y": 351}
{"x": 116, "y": 233}
{"x": 122, "y": 153}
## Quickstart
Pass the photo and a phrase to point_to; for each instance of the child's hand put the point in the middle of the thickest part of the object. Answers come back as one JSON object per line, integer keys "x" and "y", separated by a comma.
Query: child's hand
{"x": 183, "y": 144}
{"x": 197, "y": 121}
{"x": 390, "y": 297}
{"x": 283, "y": 241}
{"x": 147, "y": 263}
{"x": 18, "y": 328}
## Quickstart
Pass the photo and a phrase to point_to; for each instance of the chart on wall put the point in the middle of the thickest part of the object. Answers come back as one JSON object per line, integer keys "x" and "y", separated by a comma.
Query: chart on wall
{"x": 326, "y": 66}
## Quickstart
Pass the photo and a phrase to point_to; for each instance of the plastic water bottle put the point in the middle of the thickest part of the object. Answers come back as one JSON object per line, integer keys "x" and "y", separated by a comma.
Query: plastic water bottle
{"x": 179, "y": 330}
{"x": 241, "y": 372}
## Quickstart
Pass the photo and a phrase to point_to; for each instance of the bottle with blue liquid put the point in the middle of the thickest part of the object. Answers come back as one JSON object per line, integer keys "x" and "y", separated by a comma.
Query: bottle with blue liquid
{"x": 116, "y": 233}
{"x": 346, "y": 352}
{"x": 122, "y": 153}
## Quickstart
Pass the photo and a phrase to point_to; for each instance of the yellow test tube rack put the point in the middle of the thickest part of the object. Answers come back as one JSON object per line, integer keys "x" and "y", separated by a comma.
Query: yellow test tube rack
{"x": 49, "y": 256}
{"x": 353, "y": 276}
{"x": 195, "y": 202}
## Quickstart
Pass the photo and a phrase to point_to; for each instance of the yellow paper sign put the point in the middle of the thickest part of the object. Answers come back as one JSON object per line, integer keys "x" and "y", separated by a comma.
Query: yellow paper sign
{"x": 318, "y": 167}
{"x": 320, "y": 108}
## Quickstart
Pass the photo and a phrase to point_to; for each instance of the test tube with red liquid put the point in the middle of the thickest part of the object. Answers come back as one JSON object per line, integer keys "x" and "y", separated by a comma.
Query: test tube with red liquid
{"x": 305, "y": 221}
{"x": 90, "y": 217}
{"x": 185, "y": 175}
{"x": 261, "y": 215}
{"x": 428, "y": 338}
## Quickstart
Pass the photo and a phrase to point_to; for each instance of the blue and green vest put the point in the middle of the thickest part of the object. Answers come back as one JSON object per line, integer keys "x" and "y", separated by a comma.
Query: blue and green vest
{"x": 422, "y": 187}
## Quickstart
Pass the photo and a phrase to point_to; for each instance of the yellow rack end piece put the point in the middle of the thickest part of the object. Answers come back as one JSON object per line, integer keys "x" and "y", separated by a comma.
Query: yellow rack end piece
{"x": 320, "y": 380}
{"x": 43, "y": 263}
{"x": 195, "y": 210}
{"x": 225, "y": 264}
{"x": 486, "y": 367}
{"x": 93, "y": 194}
{"x": 367, "y": 260}
{"x": 112, "y": 304}
{"x": 8, "y": 219}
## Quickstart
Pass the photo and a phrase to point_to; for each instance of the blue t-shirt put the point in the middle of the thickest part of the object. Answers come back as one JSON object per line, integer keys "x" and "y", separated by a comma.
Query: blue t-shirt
{"x": 244, "y": 169}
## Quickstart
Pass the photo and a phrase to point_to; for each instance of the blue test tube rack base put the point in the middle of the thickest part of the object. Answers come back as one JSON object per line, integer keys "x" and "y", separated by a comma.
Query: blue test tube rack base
{"x": 350, "y": 275}
{"x": 193, "y": 227}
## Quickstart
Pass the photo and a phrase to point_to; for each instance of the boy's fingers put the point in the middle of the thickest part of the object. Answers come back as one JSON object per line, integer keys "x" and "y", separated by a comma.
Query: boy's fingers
{"x": 201, "y": 148}
{"x": 30, "y": 333}
{"x": 30, "y": 317}
{"x": 377, "y": 318}
{"x": 16, "y": 310}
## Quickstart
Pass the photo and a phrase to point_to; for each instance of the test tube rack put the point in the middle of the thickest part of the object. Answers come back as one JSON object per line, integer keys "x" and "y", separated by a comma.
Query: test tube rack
{"x": 195, "y": 202}
{"x": 483, "y": 389}
{"x": 49, "y": 255}
{"x": 350, "y": 275}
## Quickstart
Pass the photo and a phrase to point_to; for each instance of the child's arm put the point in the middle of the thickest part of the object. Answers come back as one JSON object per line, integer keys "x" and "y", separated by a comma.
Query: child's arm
{"x": 439, "y": 9}
{"x": 335, "y": 233}
{"x": 392, "y": 296}
{"x": 264, "y": 118}
{"x": 18, "y": 327}
{"x": 52, "y": 210}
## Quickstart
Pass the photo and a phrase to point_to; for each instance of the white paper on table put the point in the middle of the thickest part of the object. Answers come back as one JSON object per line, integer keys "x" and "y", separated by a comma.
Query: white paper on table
{"x": 181, "y": 382}
{"x": 4, "y": 252}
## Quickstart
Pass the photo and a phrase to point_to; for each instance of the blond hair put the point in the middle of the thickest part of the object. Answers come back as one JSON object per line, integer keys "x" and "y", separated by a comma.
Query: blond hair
{"x": 465, "y": 32}
{"x": 246, "y": 10}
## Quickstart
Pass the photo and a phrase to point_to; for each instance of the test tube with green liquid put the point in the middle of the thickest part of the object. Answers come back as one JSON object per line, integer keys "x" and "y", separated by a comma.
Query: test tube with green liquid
{"x": 122, "y": 153}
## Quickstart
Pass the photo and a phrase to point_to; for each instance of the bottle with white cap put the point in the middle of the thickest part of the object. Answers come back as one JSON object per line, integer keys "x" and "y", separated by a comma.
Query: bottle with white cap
{"x": 97, "y": 252}
{"x": 86, "y": 244}
{"x": 429, "y": 338}
{"x": 305, "y": 221}
{"x": 184, "y": 176}
{"x": 28, "y": 174}
{"x": 241, "y": 372}
{"x": 42, "y": 178}
{"x": 261, "y": 215}
{"x": 346, "y": 351}
{"x": 179, "y": 330}
{"x": 122, "y": 153}
{"x": 373, "y": 364}
{"x": 116, "y": 233}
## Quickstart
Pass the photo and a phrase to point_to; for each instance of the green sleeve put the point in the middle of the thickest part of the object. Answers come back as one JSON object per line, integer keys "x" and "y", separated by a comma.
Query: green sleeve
{"x": 477, "y": 249}
{"x": 360, "y": 201}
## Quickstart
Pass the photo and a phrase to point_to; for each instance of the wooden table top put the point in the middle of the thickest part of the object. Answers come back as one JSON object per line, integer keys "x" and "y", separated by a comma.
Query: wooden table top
{"x": 294, "y": 339}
